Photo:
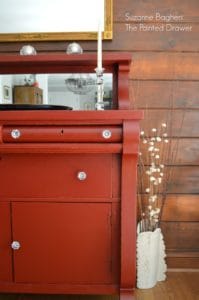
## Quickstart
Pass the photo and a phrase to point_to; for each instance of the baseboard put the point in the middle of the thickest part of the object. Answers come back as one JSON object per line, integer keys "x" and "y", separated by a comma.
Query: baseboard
{"x": 182, "y": 260}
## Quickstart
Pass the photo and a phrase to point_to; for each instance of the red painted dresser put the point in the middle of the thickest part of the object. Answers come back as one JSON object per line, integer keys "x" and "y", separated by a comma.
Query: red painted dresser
{"x": 68, "y": 189}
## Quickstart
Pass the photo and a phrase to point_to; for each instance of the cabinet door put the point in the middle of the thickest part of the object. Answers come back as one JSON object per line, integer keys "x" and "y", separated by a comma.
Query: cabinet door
{"x": 5, "y": 243}
{"x": 62, "y": 242}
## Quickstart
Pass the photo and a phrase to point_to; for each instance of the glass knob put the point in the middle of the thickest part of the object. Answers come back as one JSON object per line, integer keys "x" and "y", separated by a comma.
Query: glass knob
{"x": 15, "y": 133}
{"x": 81, "y": 175}
{"x": 28, "y": 50}
{"x": 106, "y": 134}
{"x": 74, "y": 48}
{"x": 15, "y": 245}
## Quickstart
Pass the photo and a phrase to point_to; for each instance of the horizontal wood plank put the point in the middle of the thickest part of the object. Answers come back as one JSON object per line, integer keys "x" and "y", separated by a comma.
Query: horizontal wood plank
{"x": 181, "y": 236}
{"x": 164, "y": 66}
{"x": 182, "y": 261}
{"x": 177, "y": 208}
{"x": 184, "y": 180}
{"x": 159, "y": 37}
{"x": 164, "y": 94}
{"x": 181, "y": 180}
{"x": 181, "y": 208}
{"x": 181, "y": 123}
{"x": 184, "y": 151}
{"x": 187, "y": 151}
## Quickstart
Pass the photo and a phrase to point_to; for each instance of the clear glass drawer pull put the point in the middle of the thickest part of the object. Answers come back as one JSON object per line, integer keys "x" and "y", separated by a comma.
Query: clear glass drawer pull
{"x": 15, "y": 245}
{"x": 81, "y": 175}
{"x": 15, "y": 133}
{"x": 106, "y": 134}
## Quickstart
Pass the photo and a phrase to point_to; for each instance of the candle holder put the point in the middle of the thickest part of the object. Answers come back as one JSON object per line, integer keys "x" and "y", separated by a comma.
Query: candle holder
{"x": 100, "y": 89}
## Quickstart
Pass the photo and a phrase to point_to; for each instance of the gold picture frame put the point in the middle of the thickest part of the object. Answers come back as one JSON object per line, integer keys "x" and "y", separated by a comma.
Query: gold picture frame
{"x": 64, "y": 36}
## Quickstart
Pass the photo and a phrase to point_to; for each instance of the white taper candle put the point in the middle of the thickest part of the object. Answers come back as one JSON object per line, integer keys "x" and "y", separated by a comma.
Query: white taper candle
{"x": 99, "y": 48}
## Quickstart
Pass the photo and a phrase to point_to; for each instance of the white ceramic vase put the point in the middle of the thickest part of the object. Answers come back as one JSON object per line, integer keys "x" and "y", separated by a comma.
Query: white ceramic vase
{"x": 151, "y": 266}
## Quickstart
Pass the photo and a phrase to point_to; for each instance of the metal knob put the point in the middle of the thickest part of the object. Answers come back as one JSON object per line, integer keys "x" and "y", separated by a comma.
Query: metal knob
{"x": 15, "y": 133}
{"x": 106, "y": 134}
{"x": 81, "y": 175}
{"x": 15, "y": 245}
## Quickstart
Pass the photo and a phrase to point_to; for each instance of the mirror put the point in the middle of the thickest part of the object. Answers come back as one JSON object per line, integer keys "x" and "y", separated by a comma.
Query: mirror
{"x": 47, "y": 20}
{"x": 69, "y": 89}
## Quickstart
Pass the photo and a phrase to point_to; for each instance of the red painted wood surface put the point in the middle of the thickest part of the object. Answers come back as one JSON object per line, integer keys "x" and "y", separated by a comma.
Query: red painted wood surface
{"x": 59, "y": 288}
{"x": 76, "y": 236}
{"x": 62, "y": 134}
{"x": 128, "y": 203}
{"x": 52, "y": 63}
{"x": 60, "y": 148}
{"x": 62, "y": 242}
{"x": 123, "y": 87}
{"x": 47, "y": 198}
{"x": 5, "y": 242}
{"x": 109, "y": 117}
{"x": 56, "y": 176}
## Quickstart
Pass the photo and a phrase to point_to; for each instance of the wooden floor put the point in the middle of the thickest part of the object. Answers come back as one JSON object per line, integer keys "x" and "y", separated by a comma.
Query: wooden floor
{"x": 178, "y": 286}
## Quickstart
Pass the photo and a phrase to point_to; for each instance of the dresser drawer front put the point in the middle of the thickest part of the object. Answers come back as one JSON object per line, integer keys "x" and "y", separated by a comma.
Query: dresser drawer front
{"x": 62, "y": 175}
{"x": 45, "y": 134}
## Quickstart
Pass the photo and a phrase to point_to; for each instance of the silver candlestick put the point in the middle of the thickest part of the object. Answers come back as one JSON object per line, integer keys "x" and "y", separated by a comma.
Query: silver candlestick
{"x": 100, "y": 89}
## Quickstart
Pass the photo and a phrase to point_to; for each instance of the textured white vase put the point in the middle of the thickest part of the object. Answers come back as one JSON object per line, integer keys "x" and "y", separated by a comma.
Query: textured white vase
{"x": 151, "y": 266}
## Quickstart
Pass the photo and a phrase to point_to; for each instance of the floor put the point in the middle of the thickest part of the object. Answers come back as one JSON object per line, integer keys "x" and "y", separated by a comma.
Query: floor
{"x": 178, "y": 286}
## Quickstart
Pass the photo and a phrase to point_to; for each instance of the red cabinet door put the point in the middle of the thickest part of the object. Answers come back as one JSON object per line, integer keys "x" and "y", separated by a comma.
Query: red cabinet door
{"x": 62, "y": 242}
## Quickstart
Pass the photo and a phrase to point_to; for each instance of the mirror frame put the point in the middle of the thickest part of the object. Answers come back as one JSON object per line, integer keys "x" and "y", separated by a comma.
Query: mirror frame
{"x": 64, "y": 36}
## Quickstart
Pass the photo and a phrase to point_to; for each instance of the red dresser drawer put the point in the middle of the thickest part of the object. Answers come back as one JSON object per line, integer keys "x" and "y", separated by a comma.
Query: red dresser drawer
{"x": 59, "y": 175}
{"x": 45, "y": 134}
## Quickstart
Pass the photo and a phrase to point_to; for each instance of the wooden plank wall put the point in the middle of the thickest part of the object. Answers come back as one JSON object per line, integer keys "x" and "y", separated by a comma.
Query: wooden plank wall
{"x": 164, "y": 75}
{"x": 164, "y": 82}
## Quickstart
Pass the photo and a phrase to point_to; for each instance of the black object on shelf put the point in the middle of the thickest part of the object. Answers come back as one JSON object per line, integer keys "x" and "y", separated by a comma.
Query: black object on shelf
{"x": 33, "y": 107}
